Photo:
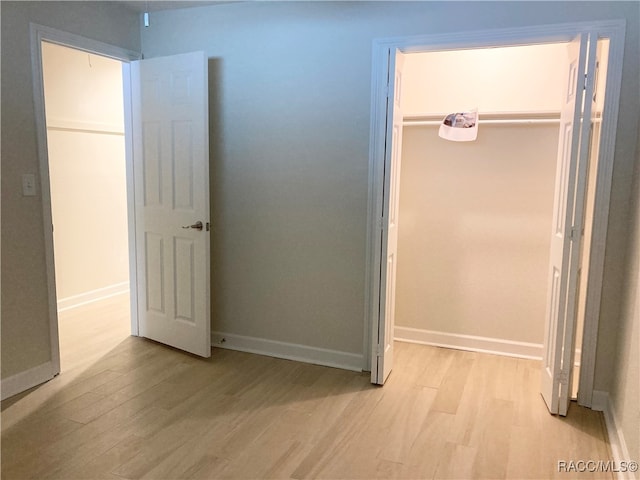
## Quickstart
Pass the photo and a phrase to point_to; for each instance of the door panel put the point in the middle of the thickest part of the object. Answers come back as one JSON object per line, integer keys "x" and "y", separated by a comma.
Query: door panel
{"x": 154, "y": 272}
{"x": 577, "y": 244}
{"x": 171, "y": 181}
{"x": 566, "y": 231}
{"x": 393, "y": 156}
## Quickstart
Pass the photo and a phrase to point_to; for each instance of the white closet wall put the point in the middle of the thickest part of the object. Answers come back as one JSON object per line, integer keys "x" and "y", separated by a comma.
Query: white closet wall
{"x": 507, "y": 79}
{"x": 85, "y": 134}
{"x": 475, "y": 217}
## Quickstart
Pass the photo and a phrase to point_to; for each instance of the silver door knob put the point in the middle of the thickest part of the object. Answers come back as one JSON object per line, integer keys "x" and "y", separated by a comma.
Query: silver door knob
{"x": 196, "y": 226}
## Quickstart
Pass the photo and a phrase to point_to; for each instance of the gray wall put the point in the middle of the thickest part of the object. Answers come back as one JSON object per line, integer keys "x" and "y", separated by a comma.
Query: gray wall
{"x": 290, "y": 98}
{"x": 474, "y": 235}
{"x": 290, "y": 90}
{"x": 25, "y": 314}
{"x": 625, "y": 391}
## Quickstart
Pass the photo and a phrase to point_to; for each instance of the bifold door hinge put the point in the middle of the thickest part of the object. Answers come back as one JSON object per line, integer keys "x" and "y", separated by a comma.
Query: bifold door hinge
{"x": 379, "y": 350}
{"x": 380, "y": 223}
{"x": 573, "y": 232}
{"x": 562, "y": 377}
{"x": 576, "y": 232}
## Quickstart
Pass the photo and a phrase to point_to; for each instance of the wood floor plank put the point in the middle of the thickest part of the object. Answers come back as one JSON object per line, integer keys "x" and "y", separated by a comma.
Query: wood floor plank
{"x": 122, "y": 452}
{"x": 344, "y": 427}
{"x": 490, "y": 440}
{"x": 403, "y": 427}
{"x": 50, "y": 396}
{"x": 191, "y": 459}
{"x": 436, "y": 363}
{"x": 451, "y": 389}
{"x": 133, "y": 408}
{"x": 159, "y": 446}
{"x": 327, "y": 409}
{"x": 456, "y": 463}
{"x": 270, "y": 453}
{"x": 429, "y": 448}
{"x": 21, "y": 443}
{"x": 525, "y": 455}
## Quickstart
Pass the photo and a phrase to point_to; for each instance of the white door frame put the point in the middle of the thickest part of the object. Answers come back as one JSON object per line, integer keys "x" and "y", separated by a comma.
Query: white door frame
{"x": 40, "y": 33}
{"x": 614, "y": 30}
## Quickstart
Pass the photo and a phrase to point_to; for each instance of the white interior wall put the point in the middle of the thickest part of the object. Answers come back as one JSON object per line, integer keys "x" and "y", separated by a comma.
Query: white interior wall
{"x": 513, "y": 79}
{"x": 475, "y": 217}
{"x": 323, "y": 51}
{"x": 85, "y": 135}
{"x": 625, "y": 392}
{"x": 290, "y": 104}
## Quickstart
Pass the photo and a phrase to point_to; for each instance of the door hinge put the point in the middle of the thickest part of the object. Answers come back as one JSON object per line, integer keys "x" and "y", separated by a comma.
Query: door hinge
{"x": 563, "y": 377}
{"x": 573, "y": 232}
{"x": 379, "y": 350}
{"x": 208, "y": 226}
{"x": 584, "y": 87}
{"x": 576, "y": 232}
{"x": 380, "y": 223}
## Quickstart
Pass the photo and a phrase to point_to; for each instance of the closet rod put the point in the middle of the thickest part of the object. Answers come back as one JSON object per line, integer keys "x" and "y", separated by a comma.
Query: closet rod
{"x": 411, "y": 123}
{"x": 489, "y": 118}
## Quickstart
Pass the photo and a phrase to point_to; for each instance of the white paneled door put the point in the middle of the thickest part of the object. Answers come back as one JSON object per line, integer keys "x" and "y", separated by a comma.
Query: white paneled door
{"x": 171, "y": 172}
{"x": 567, "y": 227}
{"x": 389, "y": 223}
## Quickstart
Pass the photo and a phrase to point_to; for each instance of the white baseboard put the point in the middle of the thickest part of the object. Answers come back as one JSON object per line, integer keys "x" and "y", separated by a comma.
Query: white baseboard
{"x": 92, "y": 296}
{"x": 86, "y": 127}
{"x": 289, "y": 351}
{"x": 601, "y": 402}
{"x": 25, "y": 380}
{"x": 472, "y": 343}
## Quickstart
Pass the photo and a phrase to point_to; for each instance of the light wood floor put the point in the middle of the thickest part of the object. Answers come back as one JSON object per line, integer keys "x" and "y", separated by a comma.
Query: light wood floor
{"x": 138, "y": 409}
{"x": 89, "y": 332}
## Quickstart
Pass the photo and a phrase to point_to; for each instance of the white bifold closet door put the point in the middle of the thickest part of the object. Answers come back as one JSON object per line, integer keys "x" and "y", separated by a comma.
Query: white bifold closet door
{"x": 389, "y": 224}
{"x": 171, "y": 177}
{"x": 567, "y": 227}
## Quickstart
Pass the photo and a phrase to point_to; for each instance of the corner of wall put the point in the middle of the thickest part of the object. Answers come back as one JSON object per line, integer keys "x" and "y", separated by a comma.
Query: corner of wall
{"x": 619, "y": 451}
{"x": 22, "y": 381}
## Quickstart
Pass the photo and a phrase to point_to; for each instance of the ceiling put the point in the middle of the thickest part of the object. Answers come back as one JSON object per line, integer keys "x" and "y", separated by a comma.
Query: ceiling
{"x": 154, "y": 6}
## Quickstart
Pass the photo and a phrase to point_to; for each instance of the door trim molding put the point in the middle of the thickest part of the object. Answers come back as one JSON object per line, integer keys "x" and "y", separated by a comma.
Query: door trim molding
{"x": 38, "y": 34}
{"x": 612, "y": 29}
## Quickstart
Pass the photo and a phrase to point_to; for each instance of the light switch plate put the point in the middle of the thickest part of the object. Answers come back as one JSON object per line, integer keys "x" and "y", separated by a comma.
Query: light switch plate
{"x": 29, "y": 185}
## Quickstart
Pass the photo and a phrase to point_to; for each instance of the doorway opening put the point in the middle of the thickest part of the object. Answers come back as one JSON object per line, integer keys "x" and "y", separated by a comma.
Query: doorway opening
{"x": 475, "y": 217}
{"x": 569, "y": 203}
{"x": 166, "y": 182}
{"x": 85, "y": 132}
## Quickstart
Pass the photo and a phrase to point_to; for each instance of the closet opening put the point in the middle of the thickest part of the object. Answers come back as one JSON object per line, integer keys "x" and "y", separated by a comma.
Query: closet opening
{"x": 85, "y": 133}
{"x": 475, "y": 217}
{"x": 584, "y": 132}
